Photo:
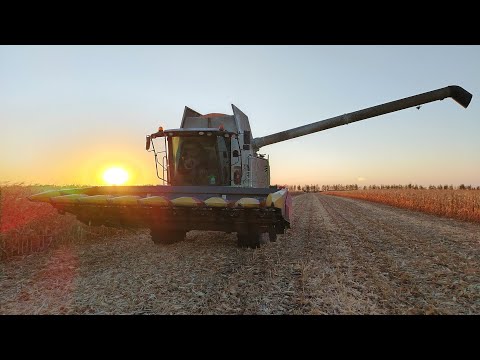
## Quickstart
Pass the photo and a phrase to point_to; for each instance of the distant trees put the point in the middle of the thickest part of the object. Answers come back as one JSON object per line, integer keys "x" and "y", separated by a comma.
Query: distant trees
{"x": 311, "y": 188}
{"x": 340, "y": 187}
{"x": 353, "y": 187}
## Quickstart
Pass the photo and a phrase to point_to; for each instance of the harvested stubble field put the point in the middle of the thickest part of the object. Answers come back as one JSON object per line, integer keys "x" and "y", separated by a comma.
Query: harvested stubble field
{"x": 342, "y": 256}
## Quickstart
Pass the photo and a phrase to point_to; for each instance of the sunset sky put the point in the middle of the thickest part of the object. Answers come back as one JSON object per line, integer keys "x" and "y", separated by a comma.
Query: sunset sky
{"x": 68, "y": 113}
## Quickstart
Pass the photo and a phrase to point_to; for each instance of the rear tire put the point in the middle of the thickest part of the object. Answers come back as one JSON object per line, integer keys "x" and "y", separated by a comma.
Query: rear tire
{"x": 254, "y": 240}
{"x": 242, "y": 240}
{"x": 272, "y": 235}
{"x": 248, "y": 240}
{"x": 163, "y": 237}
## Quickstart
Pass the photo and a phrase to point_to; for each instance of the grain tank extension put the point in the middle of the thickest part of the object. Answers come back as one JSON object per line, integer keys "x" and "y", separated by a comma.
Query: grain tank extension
{"x": 213, "y": 178}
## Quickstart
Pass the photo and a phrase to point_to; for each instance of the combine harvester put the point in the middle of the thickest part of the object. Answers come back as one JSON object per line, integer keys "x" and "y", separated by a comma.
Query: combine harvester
{"x": 213, "y": 178}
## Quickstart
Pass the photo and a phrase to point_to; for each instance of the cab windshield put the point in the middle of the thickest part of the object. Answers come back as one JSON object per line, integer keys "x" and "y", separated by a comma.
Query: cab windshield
{"x": 199, "y": 160}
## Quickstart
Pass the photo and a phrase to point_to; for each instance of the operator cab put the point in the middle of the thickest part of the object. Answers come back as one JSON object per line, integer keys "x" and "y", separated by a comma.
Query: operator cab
{"x": 198, "y": 157}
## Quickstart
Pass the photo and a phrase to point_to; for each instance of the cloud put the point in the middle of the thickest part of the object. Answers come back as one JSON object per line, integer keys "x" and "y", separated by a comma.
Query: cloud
{"x": 361, "y": 179}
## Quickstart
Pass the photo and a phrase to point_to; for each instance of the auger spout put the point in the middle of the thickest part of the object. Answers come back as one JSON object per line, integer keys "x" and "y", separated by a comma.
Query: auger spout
{"x": 457, "y": 93}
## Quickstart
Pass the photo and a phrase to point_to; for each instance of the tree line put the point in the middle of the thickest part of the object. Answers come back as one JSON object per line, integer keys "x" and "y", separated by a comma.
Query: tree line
{"x": 350, "y": 187}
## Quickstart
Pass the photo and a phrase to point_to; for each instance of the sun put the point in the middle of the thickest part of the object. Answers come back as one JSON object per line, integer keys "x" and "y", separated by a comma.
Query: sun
{"x": 115, "y": 176}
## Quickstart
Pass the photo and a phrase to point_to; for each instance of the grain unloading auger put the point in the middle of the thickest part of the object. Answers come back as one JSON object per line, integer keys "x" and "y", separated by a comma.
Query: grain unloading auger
{"x": 213, "y": 178}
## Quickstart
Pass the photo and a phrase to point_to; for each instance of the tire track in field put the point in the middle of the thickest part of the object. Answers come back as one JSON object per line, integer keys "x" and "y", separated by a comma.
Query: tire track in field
{"x": 446, "y": 266}
{"x": 415, "y": 264}
{"x": 371, "y": 265}
{"x": 308, "y": 246}
{"x": 323, "y": 264}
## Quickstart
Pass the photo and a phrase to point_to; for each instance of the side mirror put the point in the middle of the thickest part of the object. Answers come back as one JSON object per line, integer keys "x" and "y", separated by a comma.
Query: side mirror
{"x": 147, "y": 145}
{"x": 235, "y": 153}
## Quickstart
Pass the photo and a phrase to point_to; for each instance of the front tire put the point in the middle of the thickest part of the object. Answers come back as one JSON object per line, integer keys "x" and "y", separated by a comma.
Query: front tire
{"x": 165, "y": 237}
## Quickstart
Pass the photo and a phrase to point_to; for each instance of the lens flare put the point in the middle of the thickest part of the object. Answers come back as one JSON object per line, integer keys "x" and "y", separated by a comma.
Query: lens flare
{"x": 115, "y": 176}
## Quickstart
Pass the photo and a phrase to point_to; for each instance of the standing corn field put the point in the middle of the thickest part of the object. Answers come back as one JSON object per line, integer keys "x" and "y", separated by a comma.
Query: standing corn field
{"x": 27, "y": 227}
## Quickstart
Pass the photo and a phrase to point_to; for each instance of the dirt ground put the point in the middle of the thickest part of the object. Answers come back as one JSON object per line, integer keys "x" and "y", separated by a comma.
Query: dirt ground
{"x": 342, "y": 256}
